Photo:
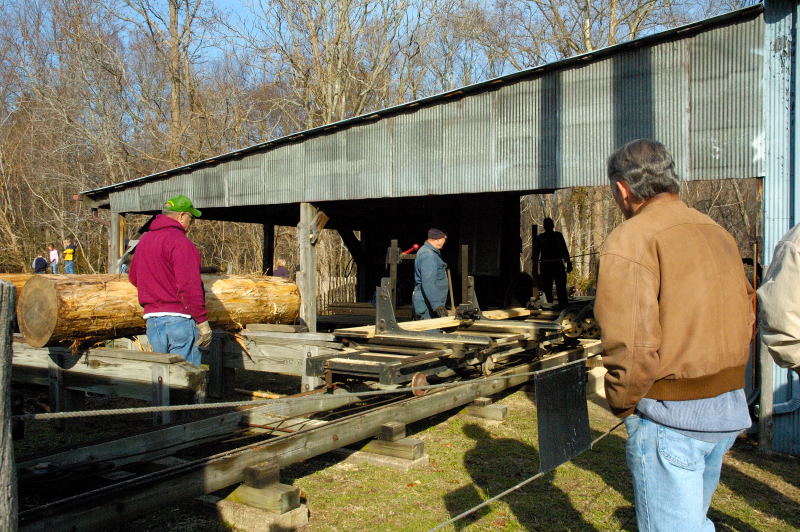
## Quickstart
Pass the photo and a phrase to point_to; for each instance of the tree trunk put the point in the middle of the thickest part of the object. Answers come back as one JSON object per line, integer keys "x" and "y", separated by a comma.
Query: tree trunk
{"x": 17, "y": 279}
{"x": 85, "y": 309}
{"x": 8, "y": 479}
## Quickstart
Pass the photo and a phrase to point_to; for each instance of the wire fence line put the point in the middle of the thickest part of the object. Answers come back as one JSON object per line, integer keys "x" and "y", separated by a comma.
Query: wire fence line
{"x": 50, "y": 416}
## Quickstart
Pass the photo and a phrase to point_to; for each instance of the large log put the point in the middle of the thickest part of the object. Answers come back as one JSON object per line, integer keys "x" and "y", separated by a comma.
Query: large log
{"x": 17, "y": 279}
{"x": 81, "y": 310}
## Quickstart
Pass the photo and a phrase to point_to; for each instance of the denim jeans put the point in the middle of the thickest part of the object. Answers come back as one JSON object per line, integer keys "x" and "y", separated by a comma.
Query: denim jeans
{"x": 54, "y": 267}
{"x": 174, "y": 334}
{"x": 69, "y": 266}
{"x": 674, "y": 476}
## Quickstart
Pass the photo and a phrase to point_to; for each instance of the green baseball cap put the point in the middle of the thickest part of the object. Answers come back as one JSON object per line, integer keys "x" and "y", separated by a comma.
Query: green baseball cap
{"x": 182, "y": 204}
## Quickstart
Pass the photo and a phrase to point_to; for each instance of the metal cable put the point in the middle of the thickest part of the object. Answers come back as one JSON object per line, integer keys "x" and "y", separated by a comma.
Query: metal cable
{"x": 236, "y": 404}
{"x": 516, "y": 487}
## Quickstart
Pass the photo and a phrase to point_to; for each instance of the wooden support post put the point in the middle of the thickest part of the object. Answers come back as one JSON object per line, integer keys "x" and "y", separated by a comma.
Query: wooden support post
{"x": 268, "y": 257}
{"x": 534, "y": 265}
{"x": 309, "y": 382}
{"x": 463, "y": 267}
{"x": 216, "y": 367}
{"x": 55, "y": 380}
{"x": 402, "y": 453}
{"x": 160, "y": 378}
{"x": 307, "y": 277}
{"x": 393, "y": 259}
{"x": 8, "y": 475}
{"x": 115, "y": 241}
{"x": 483, "y": 407}
{"x": 766, "y": 426}
{"x": 392, "y": 431}
{"x": 263, "y": 503}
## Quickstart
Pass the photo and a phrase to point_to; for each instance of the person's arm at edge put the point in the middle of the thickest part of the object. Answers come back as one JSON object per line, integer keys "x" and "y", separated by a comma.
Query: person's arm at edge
{"x": 626, "y": 308}
{"x": 779, "y": 304}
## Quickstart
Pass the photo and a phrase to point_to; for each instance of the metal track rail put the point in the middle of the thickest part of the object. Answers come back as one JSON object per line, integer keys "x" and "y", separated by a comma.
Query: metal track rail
{"x": 110, "y": 505}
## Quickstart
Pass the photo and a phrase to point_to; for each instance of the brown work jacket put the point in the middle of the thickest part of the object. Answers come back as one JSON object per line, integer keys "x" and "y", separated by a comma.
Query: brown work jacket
{"x": 674, "y": 307}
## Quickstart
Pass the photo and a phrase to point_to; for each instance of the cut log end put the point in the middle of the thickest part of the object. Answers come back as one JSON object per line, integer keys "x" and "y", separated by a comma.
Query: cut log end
{"x": 38, "y": 305}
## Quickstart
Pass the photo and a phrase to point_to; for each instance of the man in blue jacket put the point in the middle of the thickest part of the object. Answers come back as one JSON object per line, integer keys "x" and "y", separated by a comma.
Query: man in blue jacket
{"x": 430, "y": 277}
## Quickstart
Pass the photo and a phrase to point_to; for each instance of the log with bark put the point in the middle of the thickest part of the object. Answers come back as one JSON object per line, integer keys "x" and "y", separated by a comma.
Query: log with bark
{"x": 81, "y": 310}
{"x": 17, "y": 279}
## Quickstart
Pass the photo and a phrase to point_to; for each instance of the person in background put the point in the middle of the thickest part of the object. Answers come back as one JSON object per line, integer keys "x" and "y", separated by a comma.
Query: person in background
{"x": 53, "y": 258}
{"x": 669, "y": 275}
{"x": 779, "y": 302}
{"x": 430, "y": 277}
{"x": 551, "y": 254}
{"x": 166, "y": 272}
{"x": 281, "y": 270}
{"x": 39, "y": 264}
{"x": 69, "y": 256}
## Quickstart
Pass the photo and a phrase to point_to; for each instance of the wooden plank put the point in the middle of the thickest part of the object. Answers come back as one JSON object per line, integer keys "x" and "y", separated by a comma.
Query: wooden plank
{"x": 107, "y": 372}
{"x": 164, "y": 442}
{"x": 505, "y": 314}
{"x": 273, "y": 327}
{"x": 8, "y": 476}
{"x": 368, "y": 331}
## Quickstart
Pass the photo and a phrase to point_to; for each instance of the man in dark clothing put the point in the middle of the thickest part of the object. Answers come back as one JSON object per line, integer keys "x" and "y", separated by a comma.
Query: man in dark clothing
{"x": 39, "y": 264}
{"x": 430, "y": 277}
{"x": 166, "y": 271}
{"x": 551, "y": 254}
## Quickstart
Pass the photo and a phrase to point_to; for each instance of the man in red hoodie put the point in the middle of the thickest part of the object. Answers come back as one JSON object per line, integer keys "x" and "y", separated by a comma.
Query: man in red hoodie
{"x": 166, "y": 271}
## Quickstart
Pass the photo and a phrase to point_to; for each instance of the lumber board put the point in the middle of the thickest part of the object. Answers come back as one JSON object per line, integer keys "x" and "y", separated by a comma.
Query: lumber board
{"x": 164, "y": 442}
{"x": 120, "y": 372}
{"x": 505, "y": 314}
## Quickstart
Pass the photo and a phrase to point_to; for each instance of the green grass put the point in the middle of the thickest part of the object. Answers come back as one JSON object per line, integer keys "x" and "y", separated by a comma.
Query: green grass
{"x": 473, "y": 459}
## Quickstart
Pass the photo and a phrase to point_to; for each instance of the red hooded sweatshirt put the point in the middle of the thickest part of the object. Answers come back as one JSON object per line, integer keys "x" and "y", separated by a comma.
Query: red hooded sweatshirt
{"x": 166, "y": 271}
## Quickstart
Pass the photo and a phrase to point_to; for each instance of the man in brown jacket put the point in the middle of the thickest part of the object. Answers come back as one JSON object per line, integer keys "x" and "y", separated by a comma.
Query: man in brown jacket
{"x": 675, "y": 311}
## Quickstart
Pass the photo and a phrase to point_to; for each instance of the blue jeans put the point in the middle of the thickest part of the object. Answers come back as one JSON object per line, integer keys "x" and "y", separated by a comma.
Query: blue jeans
{"x": 54, "y": 267}
{"x": 174, "y": 334}
{"x": 69, "y": 266}
{"x": 674, "y": 476}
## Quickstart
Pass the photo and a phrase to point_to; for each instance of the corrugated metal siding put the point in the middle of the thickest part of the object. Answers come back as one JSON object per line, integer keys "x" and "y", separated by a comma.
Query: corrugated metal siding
{"x": 727, "y": 102}
{"x": 780, "y": 208}
{"x": 700, "y": 95}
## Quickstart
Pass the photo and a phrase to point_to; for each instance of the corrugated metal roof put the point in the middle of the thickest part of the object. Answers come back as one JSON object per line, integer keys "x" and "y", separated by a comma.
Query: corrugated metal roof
{"x": 694, "y": 88}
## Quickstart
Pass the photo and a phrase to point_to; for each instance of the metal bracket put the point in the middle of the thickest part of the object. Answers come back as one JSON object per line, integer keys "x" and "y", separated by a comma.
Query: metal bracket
{"x": 469, "y": 309}
{"x": 386, "y": 324}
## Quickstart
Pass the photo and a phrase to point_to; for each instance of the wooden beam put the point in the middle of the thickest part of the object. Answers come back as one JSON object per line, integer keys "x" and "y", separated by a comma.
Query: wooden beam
{"x": 268, "y": 256}
{"x": 8, "y": 476}
{"x": 107, "y": 371}
{"x": 121, "y": 502}
{"x": 116, "y": 241}
{"x": 307, "y": 276}
{"x": 165, "y": 442}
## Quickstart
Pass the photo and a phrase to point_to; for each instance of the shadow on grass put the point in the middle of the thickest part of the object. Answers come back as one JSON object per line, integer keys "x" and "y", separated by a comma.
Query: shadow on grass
{"x": 785, "y": 466}
{"x": 495, "y": 464}
{"x": 760, "y": 495}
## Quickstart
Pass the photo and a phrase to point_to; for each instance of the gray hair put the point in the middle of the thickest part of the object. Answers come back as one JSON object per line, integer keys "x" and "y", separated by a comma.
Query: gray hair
{"x": 646, "y": 166}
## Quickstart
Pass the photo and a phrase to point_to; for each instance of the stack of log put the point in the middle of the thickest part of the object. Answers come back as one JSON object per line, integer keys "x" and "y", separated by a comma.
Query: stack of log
{"x": 81, "y": 310}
